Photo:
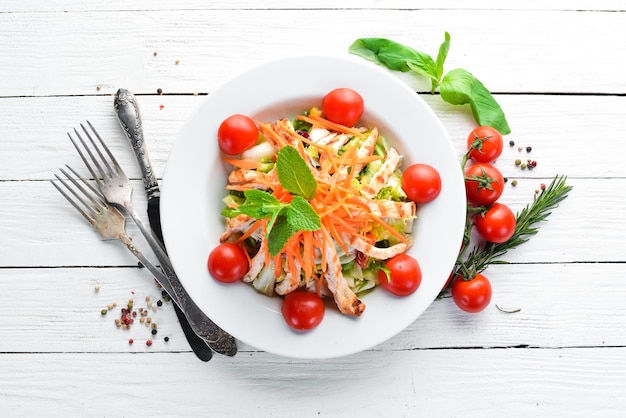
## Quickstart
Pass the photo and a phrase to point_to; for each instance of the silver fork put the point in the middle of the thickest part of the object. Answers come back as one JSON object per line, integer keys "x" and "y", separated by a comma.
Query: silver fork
{"x": 116, "y": 188}
{"x": 106, "y": 219}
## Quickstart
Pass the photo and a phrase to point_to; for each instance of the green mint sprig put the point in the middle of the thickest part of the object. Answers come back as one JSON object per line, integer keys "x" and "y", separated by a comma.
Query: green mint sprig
{"x": 285, "y": 219}
{"x": 457, "y": 87}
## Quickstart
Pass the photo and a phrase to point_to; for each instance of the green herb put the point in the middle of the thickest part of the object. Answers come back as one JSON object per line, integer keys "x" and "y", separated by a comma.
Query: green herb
{"x": 285, "y": 219}
{"x": 537, "y": 211}
{"x": 457, "y": 87}
{"x": 293, "y": 173}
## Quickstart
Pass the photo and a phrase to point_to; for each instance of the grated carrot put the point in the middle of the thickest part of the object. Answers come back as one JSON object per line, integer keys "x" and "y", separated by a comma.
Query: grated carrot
{"x": 331, "y": 126}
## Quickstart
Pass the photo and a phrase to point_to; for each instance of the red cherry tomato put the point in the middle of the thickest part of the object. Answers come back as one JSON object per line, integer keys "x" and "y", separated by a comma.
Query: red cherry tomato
{"x": 228, "y": 263}
{"x": 303, "y": 310}
{"x": 488, "y": 144}
{"x": 236, "y": 134}
{"x": 497, "y": 224}
{"x": 404, "y": 276}
{"x": 344, "y": 106}
{"x": 472, "y": 295}
{"x": 421, "y": 183}
{"x": 484, "y": 184}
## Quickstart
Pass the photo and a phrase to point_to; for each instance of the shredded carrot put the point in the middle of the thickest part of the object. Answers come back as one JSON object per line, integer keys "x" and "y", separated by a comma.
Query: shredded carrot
{"x": 245, "y": 164}
{"x": 331, "y": 126}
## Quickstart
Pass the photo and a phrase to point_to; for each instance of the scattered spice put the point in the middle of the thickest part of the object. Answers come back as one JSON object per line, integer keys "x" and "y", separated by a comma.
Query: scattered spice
{"x": 161, "y": 107}
{"x": 155, "y": 53}
{"x": 103, "y": 312}
{"x": 511, "y": 143}
{"x": 98, "y": 87}
{"x": 154, "y": 331}
{"x": 159, "y": 303}
{"x": 149, "y": 343}
{"x": 166, "y": 339}
{"x": 177, "y": 62}
{"x": 159, "y": 91}
{"x": 97, "y": 288}
{"x": 518, "y": 161}
{"x": 514, "y": 183}
{"x": 529, "y": 149}
{"x": 543, "y": 186}
{"x": 131, "y": 341}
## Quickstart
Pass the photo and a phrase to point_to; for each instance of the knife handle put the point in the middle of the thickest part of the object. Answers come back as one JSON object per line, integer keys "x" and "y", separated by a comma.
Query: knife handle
{"x": 129, "y": 117}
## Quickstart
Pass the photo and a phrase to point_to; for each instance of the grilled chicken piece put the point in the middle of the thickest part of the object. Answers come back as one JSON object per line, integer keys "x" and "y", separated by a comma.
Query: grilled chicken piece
{"x": 366, "y": 149}
{"x": 390, "y": 208}
{"x": 346, "y": 300}
{"x": 257, "y": 264}
{"x": 382, "y": 176}
{"x": 371, "y": 250}
{"x": 234, "y": 225}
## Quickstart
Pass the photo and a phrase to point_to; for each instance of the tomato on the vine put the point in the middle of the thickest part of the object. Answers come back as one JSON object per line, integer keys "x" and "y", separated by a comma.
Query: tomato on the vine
{"x": 486, "y": 143}
{"x": 472, "y": 295}
{"x": 421, "y": 183}
{"x": 402, "y": 276}
{"x": 303, "y": 310}
{"x": 344, "y": 106}
{"x": 228, "y": 263}
{"x": 497, "y": 224}
{"x": 236, "y": 134}
{"x": 484, "y": 184}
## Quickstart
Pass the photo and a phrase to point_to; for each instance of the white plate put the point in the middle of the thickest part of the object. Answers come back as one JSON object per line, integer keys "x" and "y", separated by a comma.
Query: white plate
{"x": 194, "y": 183}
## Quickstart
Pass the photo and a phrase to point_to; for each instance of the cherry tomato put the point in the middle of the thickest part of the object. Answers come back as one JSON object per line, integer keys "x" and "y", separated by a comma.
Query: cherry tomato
{"x": 484, "y": 184}
{"x": 344, "y": 106}
{"x": 421, "y": 183}
{"x": 228, "y": 263}
{"x": 497, "y": 224}
{"x": 303, "y": 310}
{"x": 404, "y": 276}
{"x": 236, "y": 134}
{"x": 472, "y": 295}
{"x": 488, "y": 144}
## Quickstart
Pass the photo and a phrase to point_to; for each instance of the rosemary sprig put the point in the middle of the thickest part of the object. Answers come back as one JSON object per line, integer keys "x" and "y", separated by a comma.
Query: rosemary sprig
{"x": 480, "y": 257}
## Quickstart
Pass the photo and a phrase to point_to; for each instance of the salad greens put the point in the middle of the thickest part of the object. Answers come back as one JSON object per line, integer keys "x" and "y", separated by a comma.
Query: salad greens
{"x": 457, "y": 87}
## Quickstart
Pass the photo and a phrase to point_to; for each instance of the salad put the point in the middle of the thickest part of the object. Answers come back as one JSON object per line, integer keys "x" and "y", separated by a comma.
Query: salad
{"x": 318, "y": 205}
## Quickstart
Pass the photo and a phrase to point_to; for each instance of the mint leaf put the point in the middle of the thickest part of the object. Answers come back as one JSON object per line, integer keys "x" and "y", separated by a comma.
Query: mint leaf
{"x": 294, "y": 174}
{"x": 395, "y": 56}
{"x": 461, "y": 87}
{"x": 260, "y": 204}
{"x": 301, "y": 215}
{"x": 278, "y": 236}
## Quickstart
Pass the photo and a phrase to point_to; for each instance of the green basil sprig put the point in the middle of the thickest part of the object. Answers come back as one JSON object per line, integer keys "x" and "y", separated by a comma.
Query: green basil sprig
{"x": 457, "y": 87}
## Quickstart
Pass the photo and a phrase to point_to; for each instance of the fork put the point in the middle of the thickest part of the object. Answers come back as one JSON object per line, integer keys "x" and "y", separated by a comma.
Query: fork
{"x": 107, "y": 220}
{"x": 116, "y": 188}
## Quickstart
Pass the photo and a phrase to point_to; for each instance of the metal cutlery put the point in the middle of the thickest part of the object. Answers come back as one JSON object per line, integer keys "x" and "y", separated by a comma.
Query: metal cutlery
{"x": 116, "y": 188}
{"x": 129, "y": 117}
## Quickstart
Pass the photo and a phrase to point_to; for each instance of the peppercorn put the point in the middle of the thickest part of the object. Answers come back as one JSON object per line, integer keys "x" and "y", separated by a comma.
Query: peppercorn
{"x": 131, "y": 341}
{"x": 166, "y": 339}
{"x": 514, "y": 183}
{"x": 533, "y": 163}
{"x": 159, "y": 91}
{"x": 155, "y": 53}
{"x": 154, "y": 331}
{"x": 149, "y": 343}
{"x": 505, "y": 179}
{"x": 543, "y": 186}
{"x": 529, "y": 149}
{"x": 511, "y": 143}
{"x": 523, "y": 166}
{"x": 104, "y": 312}
{"x": 164, "y": 293}
{"x": 177, "y": 62}
{"x": 518, "y": 161}
{"x": 159, "y": 303}
{"x": 153, "y": 325}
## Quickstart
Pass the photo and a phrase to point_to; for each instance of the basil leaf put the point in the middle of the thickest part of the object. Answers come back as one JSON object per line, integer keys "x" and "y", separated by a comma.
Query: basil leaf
{"x": 294, "y": 174}
{"x": 442, "y": 55}
{"x": 461, "y": 87}
{"x": 395, "y": 56}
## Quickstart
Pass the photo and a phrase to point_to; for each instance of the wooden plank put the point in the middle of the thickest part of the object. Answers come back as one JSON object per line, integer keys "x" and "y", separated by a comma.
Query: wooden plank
{"x": 560, "y": 306}
{"x": 472, "y": 383}
{"x": 65, "y": 5}
{"x": 108, "y": 48}
{"x": 558, "y": 129}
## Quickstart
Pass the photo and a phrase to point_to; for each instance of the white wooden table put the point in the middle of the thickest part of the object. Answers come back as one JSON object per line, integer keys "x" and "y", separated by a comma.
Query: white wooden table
{"x": 557, "y": 69}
